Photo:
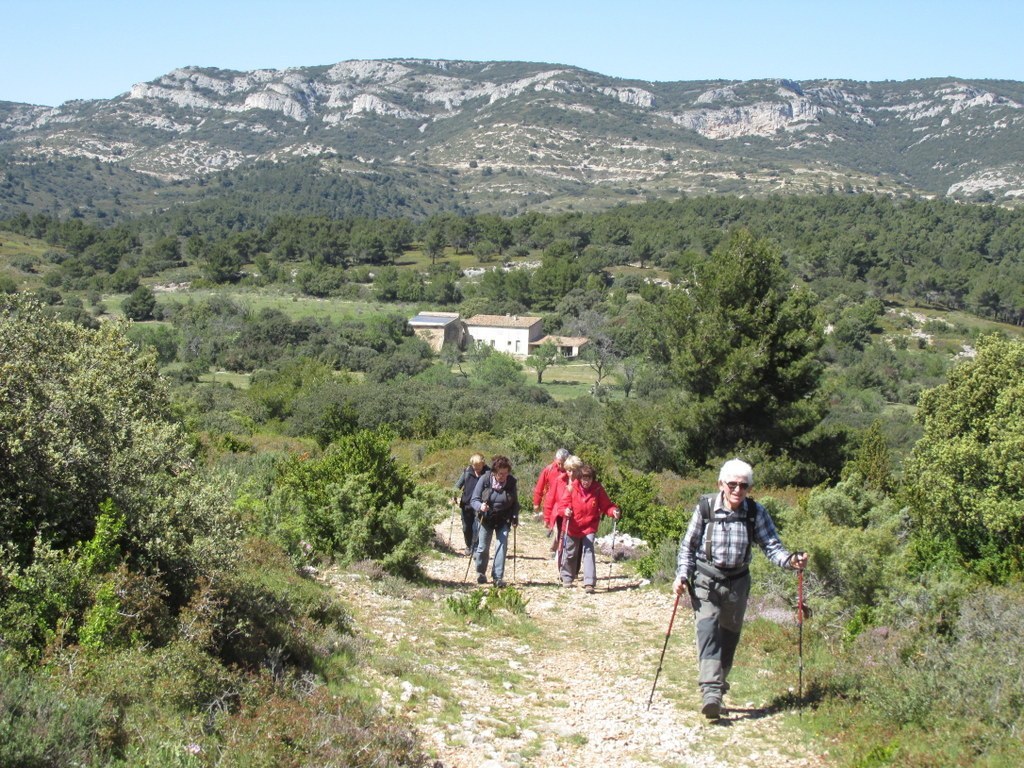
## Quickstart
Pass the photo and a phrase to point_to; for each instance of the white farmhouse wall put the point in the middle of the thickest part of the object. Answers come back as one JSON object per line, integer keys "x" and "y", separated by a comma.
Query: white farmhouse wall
{"x": 509, "y": 335}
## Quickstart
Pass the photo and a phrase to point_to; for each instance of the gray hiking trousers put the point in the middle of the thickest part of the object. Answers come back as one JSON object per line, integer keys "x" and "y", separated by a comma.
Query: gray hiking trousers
{"x": 577, "y": 551}
{"x": 721, "y": 602}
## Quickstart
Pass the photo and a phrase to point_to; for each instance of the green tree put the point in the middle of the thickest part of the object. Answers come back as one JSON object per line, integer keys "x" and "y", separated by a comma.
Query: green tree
{"x": 434, "y": 244}
{"x": 964, "y": 479}
{"x": 543, "y": 357}
{"x": 140, "y": 304}
{"x": 872, "y": 460}
{"x": 220, "y": 262}
{"x": 742, "y": 347}
{"x": 496, "y": 369}
{"x": 386, "y": 284}
{"x": 86, "y": 426}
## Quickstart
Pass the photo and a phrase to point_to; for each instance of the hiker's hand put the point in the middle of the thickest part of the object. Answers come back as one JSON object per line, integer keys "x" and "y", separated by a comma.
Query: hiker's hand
{"x": 536, "y": 508}
{"x": 798, "y": 561}
{"x": 680, "y": 585}
{"x": 616, "y": 513}
{"x": 484, "y": 507}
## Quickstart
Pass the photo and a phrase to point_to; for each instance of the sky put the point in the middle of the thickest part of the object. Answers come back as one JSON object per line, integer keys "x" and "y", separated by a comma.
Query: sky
{"x": 53, "y": 51}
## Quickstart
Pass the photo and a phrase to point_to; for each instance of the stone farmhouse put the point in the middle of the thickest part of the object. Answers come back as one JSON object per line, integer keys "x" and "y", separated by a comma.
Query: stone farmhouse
{"x": 512, "y": 334}
{"x": 516, "y": 335}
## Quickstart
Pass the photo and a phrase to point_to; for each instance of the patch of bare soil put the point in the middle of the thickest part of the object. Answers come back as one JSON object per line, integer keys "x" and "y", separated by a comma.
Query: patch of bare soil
{"x": 566, "y": 686}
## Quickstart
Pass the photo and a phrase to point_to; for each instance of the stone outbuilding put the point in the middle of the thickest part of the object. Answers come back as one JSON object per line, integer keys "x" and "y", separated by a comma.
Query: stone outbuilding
{"x": 439, "y": 329}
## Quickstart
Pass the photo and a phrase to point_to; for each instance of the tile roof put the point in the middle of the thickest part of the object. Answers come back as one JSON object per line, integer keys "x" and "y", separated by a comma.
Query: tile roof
{"x": 503, "y": 321}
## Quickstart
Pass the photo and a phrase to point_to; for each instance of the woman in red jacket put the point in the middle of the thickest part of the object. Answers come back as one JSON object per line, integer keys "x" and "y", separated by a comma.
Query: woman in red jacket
{"x": 588, "y": 502}
{"x": 551, "y": 477}
{"x": 560, "y": 499}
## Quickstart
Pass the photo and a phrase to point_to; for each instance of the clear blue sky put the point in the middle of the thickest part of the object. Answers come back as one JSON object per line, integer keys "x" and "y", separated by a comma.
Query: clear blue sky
{"x": 55, "y": 50}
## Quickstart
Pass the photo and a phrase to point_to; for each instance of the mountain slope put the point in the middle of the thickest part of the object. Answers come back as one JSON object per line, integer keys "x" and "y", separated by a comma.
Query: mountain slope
{"x": 512, "y": 135}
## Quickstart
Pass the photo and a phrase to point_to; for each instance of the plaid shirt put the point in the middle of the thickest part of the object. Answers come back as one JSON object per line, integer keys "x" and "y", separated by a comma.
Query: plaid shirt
{"x": 728, "y": 532}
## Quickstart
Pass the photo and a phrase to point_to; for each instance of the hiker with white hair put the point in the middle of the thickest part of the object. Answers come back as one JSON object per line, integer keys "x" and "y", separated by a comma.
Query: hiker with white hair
{"x": 713, "y": 566}
{"x": 544, "y": 492}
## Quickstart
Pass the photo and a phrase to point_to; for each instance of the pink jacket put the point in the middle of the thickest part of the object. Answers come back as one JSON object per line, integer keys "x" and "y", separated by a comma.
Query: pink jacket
{"x": 588, "y": 505}
{"x": 551, "y": 477}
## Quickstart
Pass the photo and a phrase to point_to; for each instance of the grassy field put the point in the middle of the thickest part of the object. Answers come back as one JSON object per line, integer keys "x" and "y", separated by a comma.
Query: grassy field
{"x": 22, "y": 260}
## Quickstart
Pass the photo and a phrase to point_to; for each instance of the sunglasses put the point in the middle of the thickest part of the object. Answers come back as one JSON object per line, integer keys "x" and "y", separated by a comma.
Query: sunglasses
{"x": 742, "y": 486}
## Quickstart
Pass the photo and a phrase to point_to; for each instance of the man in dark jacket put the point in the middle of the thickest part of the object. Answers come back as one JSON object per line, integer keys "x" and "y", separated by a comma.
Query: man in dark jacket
{"x": 496, "y": 502}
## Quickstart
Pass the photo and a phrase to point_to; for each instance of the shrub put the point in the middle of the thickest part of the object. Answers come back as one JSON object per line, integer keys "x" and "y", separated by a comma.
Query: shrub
{"x": 43, "y": 724}
{"x": 356, "y": 502}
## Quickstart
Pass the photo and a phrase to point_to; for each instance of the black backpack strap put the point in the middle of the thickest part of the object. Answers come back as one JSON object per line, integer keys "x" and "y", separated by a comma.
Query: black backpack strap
{"x": 751, "y": 507}
{"x": 485, "y": 492}
{"x": 705, "y": 515}
{"x": 750, "y": 518}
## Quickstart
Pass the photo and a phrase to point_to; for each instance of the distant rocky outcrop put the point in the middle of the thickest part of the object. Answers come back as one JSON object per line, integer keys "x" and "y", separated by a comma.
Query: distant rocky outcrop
{"x": 540, "y": 133}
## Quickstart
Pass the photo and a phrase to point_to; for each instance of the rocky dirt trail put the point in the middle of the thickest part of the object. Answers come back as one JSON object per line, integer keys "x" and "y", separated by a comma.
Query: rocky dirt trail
{"x": 565, "y": 685}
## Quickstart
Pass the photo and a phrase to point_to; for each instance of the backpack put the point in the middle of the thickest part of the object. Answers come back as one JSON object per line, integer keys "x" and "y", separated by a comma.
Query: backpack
{"x": 749, "y": 506}
{"x": 492, "y": 516}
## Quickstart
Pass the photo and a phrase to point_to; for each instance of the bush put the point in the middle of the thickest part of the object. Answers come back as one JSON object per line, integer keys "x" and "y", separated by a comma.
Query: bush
{"x": 44, "y": 724}
{"x": 354, "y": 503}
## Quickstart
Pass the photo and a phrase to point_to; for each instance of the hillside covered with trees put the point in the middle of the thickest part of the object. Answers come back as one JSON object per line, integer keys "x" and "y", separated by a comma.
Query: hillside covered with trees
{"x": 160, "y": 528}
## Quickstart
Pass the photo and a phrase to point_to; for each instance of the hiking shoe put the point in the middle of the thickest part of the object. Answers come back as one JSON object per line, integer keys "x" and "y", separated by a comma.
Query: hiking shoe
{"x": 481, "y": 579}
{"x": 567, "y": 584}
{"x": 499, "y": 583}
{"x": 712, "y": 708}
{"x": 589, "y": 589}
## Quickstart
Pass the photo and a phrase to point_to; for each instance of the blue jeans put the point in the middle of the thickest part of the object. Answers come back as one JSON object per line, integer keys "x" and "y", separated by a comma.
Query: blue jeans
{"x": 483, "y": 549}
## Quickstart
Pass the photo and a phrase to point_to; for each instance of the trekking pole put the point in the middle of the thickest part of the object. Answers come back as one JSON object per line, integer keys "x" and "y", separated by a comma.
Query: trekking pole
{"x": 800, "y": 639}
{"x": 615, "y": 526}
{"x": 561, "y": 543}
{"x": 451, "y": 525}
{"x": 472, "y": 554}
{"x": 514, "y": 558}
{"x": 668, "y": 633}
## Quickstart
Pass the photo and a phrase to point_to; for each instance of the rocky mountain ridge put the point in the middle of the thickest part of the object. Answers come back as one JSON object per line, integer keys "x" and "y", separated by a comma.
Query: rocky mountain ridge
{"x": 539, "y": 135}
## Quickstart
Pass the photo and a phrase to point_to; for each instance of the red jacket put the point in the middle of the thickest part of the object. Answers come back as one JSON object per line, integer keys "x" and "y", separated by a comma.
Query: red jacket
{"x": 550, "y": 478}
{"x": 588, "y": 505}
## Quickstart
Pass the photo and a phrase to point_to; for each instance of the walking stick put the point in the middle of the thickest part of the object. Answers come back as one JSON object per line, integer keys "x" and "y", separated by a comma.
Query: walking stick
{"x": 561, "y": 543}
{"x": 800, "y": 638}
{"x": 451, "y": 525}
{"x": 472, "y": 553}
{"x": 668, "y": 633}
{"x": 514, "y": 558}
{"x": 615, "y": 526}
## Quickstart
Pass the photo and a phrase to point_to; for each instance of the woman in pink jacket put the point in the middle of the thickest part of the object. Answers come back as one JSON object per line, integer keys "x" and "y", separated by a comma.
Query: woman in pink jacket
{"x": 587, "y": 503}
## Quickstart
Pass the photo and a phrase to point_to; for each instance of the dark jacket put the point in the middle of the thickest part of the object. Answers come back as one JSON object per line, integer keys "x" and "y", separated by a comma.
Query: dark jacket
{"x": 467, "y": 482}
{"x": 503, "y": 504}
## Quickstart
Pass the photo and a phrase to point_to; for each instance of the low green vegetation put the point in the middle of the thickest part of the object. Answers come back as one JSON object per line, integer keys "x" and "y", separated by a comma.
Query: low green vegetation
{"x": 169, "y": 486}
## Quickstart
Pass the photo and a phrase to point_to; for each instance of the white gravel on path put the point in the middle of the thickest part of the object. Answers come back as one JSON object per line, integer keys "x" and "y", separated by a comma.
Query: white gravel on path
{"x": 574, "y": 696}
